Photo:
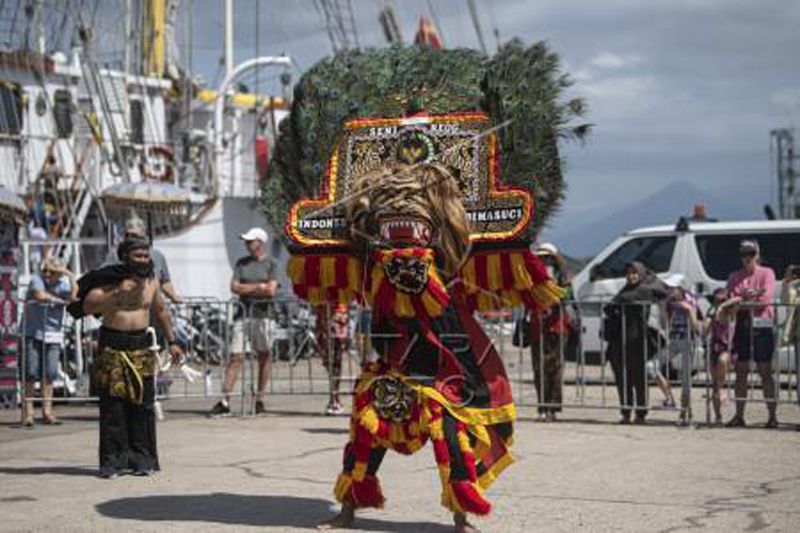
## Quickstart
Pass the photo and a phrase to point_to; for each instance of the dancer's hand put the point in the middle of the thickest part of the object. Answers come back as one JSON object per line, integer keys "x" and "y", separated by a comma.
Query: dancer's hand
{"x": 176, "y": 352}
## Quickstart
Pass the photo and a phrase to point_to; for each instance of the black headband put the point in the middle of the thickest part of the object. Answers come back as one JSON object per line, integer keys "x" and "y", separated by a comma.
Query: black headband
{"x": 130, "y": 243}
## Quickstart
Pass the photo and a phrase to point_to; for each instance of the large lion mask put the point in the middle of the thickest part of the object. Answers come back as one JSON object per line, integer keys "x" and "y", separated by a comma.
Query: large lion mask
{"x": 410, "y": 206}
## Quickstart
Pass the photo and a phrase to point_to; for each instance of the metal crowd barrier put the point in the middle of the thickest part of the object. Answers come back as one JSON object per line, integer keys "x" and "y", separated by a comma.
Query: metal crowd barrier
{"x": 562, "y": 368}
{"x": 777, "y": 377}
{"x": 207, "y": 329}
{"x": 570, "y": 370}
{"x": 557, "y": 359}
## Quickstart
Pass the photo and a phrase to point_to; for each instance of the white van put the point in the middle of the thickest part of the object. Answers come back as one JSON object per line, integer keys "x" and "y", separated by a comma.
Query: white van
{"x": 704, "y": 253}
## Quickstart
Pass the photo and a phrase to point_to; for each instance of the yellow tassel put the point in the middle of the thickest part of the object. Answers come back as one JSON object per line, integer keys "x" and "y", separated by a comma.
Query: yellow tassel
{"x": 359, "y": 471}
{"x": 449, "y": 500}
{"x": 402, "y": 305}
{"x": 396, "y": 435}
{"x": 368, "y": 418}
{"x": 342, "y": 487}
{"x": 494, "y": 277}
{"x": 444, "y": 475}
{"x": 468, "y": 275}
{"x": 482, "y": 442}
{"x": 463, "y": 442}
{"x": 327, "y": 272}
{"x": 435, "y": 430}
{"x": 548, "y": 294}
{"x": 522, "y": 278}
{"x": 295, "y": 269}
{"x": 485, "y": 301}
{"x": 377, "y": 280}
{"x": 316, "y": 296}
{"x": 431, "y": 306}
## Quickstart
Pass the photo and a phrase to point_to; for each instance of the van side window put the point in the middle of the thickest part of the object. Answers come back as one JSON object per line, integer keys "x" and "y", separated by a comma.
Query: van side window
{"x": 720, "y": 253}
{"x": 654, "y": 252}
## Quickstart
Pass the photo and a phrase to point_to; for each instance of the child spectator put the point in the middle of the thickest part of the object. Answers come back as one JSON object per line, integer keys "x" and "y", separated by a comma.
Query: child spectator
{"x": 683, "y": 326}
{"x": 333, "y": 339}
{"x": 719, "y": 328}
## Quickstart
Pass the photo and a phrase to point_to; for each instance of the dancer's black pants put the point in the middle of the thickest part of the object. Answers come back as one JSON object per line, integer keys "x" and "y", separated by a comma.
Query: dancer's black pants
{"x": 128, "y": 432}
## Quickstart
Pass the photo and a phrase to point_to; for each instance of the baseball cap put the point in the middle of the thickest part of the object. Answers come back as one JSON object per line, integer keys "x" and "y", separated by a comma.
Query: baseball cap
{"x": 255, "y": 234}
{"x": 749, "y": 246}
{"x": 135, "y": 226}
{"x": 547, "y": 249}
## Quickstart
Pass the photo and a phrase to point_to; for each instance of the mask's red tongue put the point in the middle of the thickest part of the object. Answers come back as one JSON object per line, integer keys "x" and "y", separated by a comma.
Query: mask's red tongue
{"x": 403, "y": 231}
{"x": 402, "y": 234}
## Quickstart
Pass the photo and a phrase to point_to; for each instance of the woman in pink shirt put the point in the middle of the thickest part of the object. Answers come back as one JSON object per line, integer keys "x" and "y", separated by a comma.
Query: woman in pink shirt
{"x": 754, "y": 340}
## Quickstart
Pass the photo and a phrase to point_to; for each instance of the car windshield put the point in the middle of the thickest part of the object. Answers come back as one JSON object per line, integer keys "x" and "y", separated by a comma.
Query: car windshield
{"x": 654, "y": 252}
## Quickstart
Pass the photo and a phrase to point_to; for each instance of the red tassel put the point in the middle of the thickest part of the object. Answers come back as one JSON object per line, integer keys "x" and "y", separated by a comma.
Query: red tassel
{"x": 367, "y": 493}
{"x": 469, "y": 499}
{"x": 440, "y": 451}
{"x": 340, "y": 268}
{"x": 312, "y": 271}
{"x": 383, "y": 429}
{"x": 535, "y": 267}
{"x": 469, "y": 464}
{"x": 481, "y": 274}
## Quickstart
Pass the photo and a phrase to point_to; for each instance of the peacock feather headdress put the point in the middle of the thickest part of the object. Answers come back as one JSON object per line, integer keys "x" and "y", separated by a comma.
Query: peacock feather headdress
{"x": 522, "y": 88}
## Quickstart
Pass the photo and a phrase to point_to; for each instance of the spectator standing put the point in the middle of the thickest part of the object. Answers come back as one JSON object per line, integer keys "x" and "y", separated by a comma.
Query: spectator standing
{"x": 790, "y": 297}
{"x": 46, "y": 299}
{"x": 719, "y": 328}
{"x": 254, "y": 283}
{"x": 754, "y": 287}
{"x": 333, "y": 340}
{"x": 548, "y": 336}
{"x": 626, "y": 329}
{"x": 683, "y": 327}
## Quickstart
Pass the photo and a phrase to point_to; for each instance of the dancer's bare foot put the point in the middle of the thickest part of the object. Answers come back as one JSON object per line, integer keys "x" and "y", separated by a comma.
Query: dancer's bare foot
{"x": 343, "y": 520}
{"x": 462, "y": 525}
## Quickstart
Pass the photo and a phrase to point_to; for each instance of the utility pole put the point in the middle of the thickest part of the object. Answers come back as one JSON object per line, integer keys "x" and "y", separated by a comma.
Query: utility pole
{"x": 228, "y": 39}
{"x": 128, "y": 35}
{"x": 788, "y": 192}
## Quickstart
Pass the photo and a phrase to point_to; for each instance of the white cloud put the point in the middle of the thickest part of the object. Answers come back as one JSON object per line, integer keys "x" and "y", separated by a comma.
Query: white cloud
{"x": 788, "y": 98}
{"x": 611, "y": 60}
{"x": 582, "y": 75}
{"x": 620, "y": 96}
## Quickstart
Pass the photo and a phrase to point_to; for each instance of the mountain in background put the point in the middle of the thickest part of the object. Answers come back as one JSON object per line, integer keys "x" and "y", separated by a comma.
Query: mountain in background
{"x": 584, "y": 234}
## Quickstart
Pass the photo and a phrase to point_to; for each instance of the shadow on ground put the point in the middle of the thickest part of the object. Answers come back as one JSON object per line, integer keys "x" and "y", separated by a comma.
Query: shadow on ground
{"x": 238, "y": 509}
{"x": 326, "y": 431}
{"x": 49, "y": 471}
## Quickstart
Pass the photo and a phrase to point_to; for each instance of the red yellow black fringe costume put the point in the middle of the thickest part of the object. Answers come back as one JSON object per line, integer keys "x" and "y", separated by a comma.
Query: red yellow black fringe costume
{"x": 439, "y": 377}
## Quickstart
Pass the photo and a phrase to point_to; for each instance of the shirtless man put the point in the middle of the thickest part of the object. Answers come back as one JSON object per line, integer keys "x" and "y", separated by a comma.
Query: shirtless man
{"x": 124, "y": 370}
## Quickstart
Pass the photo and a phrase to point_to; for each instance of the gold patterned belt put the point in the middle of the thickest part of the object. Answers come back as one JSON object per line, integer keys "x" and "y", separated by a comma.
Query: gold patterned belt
{"x": 121, "y": 372}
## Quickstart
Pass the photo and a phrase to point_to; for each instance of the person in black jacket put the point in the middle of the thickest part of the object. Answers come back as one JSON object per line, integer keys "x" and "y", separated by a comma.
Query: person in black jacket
{"x": 629, "y": 343}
